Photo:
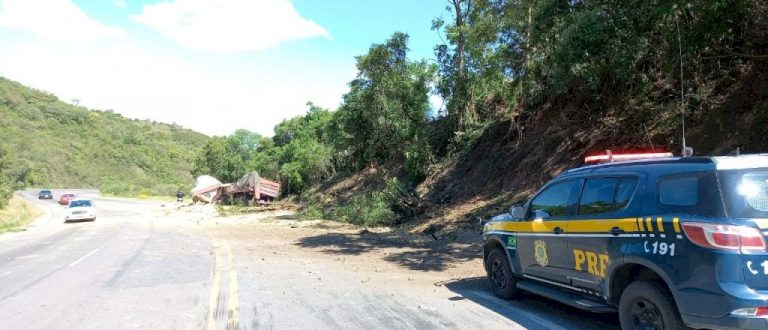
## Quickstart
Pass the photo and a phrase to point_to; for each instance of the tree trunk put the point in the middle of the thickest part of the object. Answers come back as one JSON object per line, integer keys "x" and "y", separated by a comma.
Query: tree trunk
{"x": 460, "y": 92}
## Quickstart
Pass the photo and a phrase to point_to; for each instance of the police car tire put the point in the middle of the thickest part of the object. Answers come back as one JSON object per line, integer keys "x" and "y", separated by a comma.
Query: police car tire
{"x": 655, "y": 294}
{"x": 510, "y": 289}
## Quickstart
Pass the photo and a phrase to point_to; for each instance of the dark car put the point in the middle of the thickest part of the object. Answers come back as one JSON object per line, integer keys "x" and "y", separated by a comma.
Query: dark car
{"x": 45, "y": 194}
{"x": 65, "y": 198}
{"x": 666, "y": 243}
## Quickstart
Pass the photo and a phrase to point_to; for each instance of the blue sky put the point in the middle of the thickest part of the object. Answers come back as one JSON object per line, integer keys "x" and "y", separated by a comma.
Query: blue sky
{"x": 212, "y": 66}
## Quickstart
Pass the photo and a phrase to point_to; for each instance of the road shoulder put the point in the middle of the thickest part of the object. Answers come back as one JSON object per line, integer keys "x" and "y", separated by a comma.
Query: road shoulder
{"x": 18, "y": 214}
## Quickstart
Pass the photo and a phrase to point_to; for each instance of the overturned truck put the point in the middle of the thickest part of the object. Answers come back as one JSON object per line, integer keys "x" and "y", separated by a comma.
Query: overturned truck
{"x": 251, "y": 189}
{"x": 206, "y": 189}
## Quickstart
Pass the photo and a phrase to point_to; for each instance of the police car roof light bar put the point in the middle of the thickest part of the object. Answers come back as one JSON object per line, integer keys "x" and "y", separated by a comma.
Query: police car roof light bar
{"x": 611, "y": 157}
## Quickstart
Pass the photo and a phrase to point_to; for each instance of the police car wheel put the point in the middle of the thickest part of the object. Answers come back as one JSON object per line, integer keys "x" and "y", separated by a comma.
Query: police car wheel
{"x": 647, "y": 305}
{"x": 500, "y": 277}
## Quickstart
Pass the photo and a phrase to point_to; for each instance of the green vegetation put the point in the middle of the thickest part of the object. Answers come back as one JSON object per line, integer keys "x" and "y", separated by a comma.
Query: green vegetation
{"x": 18, "y": 213}
{"x": 517, "y": 58}
{"x": 384, "y": 118}
{"x": 384, "y": 115}
{"x": 527, "y": 84}
{"x": 371, "y": 208}
{"x": 6, "y": 189}
{"x": 607, "y": 70}
{"x": 48, "y": 143}
{"x": 299, "y": 154}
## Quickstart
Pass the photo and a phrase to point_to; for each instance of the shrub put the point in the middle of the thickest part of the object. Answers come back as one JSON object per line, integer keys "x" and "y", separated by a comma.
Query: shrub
{"x": 6, "y": 192}
{"x": 312, "y": 212}
{"x": 374, "y": 208}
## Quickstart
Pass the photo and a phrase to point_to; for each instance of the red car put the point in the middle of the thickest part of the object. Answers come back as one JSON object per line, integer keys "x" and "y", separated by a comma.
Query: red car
{"x": 64, "y": 199}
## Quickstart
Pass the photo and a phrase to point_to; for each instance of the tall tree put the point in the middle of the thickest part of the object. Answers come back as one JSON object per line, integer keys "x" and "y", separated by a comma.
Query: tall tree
{"x": 385, "y": 111}
{"x": 482, "y": 59}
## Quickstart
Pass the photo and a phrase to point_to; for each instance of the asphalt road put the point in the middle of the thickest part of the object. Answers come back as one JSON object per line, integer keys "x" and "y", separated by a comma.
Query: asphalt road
{"x": 120, "y": 271}
{"x": 139, "y": 266}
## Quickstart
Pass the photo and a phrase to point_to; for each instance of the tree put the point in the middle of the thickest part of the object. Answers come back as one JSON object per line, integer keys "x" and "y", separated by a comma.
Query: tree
{"x": 480, "y": 63}
{"x": 6, "y": 189}
{"x": 386, "y": 108}
{"x": 306, "y": 154}
{"x": 228, "y": 158}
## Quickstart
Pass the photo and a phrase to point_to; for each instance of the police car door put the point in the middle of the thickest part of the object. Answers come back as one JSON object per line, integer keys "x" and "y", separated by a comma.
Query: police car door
{"x": 542, "y": 246}
{"x": 596, "y": 232}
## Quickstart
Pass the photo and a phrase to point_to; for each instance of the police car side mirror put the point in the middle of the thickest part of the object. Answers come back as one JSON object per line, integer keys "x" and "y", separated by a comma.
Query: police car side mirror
{"x": 517, "y": 212}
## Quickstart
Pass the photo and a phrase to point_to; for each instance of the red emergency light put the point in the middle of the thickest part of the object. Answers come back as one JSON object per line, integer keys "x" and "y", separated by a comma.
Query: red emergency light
{"x": 608, "y": 156}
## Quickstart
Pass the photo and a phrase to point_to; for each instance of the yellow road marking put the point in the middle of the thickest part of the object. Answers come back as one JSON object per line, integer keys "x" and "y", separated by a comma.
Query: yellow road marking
{"x": 220, "y": 251}
{"x": 234, "y": 300}
{"x": 215, "y": 288}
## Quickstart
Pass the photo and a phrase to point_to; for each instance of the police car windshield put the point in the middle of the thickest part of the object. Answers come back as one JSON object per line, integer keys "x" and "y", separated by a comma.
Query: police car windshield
{"x": 745, "y": 192}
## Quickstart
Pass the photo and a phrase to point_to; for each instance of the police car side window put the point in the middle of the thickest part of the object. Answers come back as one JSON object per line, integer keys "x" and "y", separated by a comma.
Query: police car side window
{"x": 604, "y": 195}
{"x": 555, "y": 200}
{"x": 598, "y": 196}
{"x": 679, "y": 191}
{"x": 624, "y": 193}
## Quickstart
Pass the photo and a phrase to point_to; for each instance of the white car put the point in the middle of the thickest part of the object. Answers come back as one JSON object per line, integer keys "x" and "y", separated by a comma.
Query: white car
{"x": 80, "y": 209}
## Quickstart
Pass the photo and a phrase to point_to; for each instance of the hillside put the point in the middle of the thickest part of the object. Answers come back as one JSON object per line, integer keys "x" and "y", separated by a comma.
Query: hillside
{"x": 531, "y": 87}
{"x": 50, "y": 143}
{"x": 502, "y": 167}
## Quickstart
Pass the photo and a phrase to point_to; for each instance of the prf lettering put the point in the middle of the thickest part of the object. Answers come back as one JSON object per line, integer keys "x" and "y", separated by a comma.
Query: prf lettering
{"x": 596, "y": 263}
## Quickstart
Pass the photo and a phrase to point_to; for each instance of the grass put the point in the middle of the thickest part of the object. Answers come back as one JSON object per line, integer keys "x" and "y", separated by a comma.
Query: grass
{"x": 17, "y": 214}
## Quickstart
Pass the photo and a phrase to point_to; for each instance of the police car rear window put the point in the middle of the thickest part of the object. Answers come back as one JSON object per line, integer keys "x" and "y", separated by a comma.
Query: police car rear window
{"x": 746, "y": 192}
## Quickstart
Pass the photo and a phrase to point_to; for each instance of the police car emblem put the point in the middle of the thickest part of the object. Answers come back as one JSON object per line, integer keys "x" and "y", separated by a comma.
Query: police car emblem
{"x": 540, "y": 253}
{"x": 511, "y": 242}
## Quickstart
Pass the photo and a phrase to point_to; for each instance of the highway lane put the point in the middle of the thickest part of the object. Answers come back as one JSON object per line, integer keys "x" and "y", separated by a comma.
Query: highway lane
{"x": 121, "y": 271}
{"x": 141, "y": 265}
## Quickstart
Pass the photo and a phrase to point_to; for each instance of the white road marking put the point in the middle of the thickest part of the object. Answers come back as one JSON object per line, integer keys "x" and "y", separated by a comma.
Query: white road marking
{"x": 82, "y": 258}
{"x": 27, "y": 256}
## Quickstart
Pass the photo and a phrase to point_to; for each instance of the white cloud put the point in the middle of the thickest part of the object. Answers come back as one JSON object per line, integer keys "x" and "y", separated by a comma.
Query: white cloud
{"x": 138, "y": 83}
{"x": 119, "y": 3}
{"x": 143, "y": 85}
{"x": 229, "y": 26}
{"x": 59, "y": 20}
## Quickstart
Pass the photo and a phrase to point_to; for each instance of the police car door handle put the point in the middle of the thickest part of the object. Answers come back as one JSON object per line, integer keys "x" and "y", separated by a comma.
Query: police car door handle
{"x": 558, "y": 230}
{"x": 616, "y": 231}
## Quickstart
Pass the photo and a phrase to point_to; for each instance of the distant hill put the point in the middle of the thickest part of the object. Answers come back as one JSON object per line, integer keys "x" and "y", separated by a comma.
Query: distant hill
{"x": 53, "y": 144}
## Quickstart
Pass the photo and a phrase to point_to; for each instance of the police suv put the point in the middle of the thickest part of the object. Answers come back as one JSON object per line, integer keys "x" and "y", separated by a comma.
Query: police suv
{"x": 665, "y": 242}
